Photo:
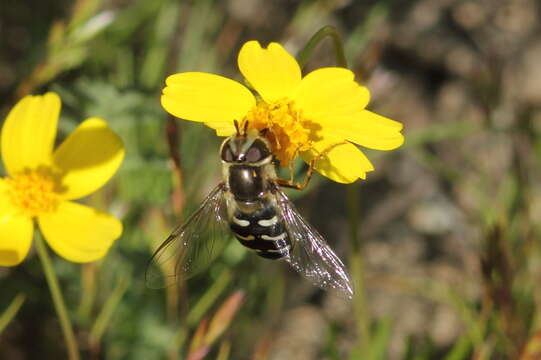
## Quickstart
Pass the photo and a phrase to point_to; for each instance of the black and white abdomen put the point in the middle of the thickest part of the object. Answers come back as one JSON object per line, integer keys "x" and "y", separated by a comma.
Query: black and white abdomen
{"x": 262, "y": 230}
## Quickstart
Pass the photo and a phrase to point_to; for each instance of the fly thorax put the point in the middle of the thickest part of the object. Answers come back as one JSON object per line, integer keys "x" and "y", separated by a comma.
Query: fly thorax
{"x": 247, "y": 183}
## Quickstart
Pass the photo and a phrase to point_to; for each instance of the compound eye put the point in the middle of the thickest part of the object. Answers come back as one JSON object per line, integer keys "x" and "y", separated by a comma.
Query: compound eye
{"x": 253, "y": 154}
{"x": 227, "y": 154}
{"x": 257, "y": 152}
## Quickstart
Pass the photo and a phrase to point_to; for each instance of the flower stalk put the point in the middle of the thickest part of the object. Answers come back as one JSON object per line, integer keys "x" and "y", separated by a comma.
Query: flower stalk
{"x": 319, "y": 36}
{"x": 357, "y": 269}
{"x": 58, "y": 300}
{"x": 356, "y": 258}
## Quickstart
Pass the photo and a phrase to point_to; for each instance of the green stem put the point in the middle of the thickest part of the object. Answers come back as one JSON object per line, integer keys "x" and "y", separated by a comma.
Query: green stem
{"x": 356, "y": 258}
{"x": 88, "y": 291}
{"x": 58, "y": 300}
{"x": 325, "y": 31}
{"x": 357, "y": 271}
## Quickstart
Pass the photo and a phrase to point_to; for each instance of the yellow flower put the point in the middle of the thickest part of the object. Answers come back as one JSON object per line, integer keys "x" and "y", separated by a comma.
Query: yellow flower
{"x": 306, "y": 116}
{"x": 41, "y": 182}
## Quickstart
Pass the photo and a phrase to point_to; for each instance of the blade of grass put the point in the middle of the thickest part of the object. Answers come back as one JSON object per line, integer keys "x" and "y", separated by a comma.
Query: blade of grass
{"x": 194, "y": 51}
{"x": 197, "y": 345}
{"x": 461, "y": 349}
{"x": 380, "y": 339}
{"x": 532, "y": 350}
{"x": 223, "y": 317}
{"x": 9, "y": 314}
{"x": 104, "y": 317}
{"x": 154, "y": 65}
{"x": 357, "y": 41}
{"x": 201, "y": 307}
{"x": 82, "y": 10}
{"x": 210, "y": 296}
{"x": 224, "y": 351}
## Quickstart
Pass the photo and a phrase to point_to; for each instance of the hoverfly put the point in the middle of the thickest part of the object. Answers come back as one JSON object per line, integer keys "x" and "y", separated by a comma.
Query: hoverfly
{"x": 250, "y": 206}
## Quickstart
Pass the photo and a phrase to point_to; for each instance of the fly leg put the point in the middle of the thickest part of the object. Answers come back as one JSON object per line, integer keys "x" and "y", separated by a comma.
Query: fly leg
{"x": 290, "y": 183}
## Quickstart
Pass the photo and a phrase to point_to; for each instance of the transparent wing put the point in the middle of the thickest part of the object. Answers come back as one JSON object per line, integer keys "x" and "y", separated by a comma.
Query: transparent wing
{"x": 192, "y": 246}
{"x": 310, "y": 255}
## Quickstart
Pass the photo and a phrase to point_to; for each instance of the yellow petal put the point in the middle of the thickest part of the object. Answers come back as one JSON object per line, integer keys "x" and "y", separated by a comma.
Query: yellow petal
{"x": 327, "y": 93}
{"x": 89, "y": 157}
{"x": 206, "y": 98}
{"x": 367, "y": 129}
{"x": 15, "y": 232}
{"x": 29, "y": 131}
{"x": 222, "y": 128}
{"x": 273, "y": 72}
{"x": 79, "y": 233}
{"x": 343, "y": 163}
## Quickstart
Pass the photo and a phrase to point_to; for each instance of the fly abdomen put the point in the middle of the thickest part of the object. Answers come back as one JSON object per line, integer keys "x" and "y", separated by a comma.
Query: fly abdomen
{"x": 263, "y": 231}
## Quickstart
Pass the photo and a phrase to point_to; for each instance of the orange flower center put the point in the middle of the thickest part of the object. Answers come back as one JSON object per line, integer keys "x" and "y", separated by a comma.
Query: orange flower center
{"x": 34, "y": 192}
{"x": 286, "y": 129}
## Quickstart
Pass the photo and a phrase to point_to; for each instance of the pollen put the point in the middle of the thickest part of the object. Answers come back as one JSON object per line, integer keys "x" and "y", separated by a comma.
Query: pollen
{"x": 284, "y": 126}
{"x": 34, "y": 192}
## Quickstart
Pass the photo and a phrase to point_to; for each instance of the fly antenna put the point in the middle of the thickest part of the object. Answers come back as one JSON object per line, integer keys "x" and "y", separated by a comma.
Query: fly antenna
{"x": 245, "y": 127}
{"x": 237, "y": 126}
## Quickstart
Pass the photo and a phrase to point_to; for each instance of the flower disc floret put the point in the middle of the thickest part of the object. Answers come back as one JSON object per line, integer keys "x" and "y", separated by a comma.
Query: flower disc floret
{"x": 34, "y": 192}
{"x": 286, "y": 129}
